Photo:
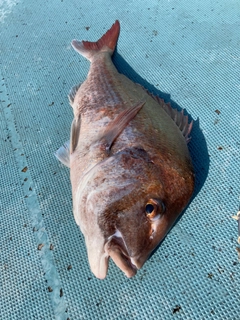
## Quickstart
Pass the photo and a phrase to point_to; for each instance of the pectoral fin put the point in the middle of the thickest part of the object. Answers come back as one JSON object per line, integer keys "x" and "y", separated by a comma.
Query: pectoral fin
{"x": 115, "y": 127}
{"x": 75, "y": 132}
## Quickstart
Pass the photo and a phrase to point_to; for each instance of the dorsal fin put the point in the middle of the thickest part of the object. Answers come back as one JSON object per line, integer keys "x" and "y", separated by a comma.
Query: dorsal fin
{"x": 177, "y": 116}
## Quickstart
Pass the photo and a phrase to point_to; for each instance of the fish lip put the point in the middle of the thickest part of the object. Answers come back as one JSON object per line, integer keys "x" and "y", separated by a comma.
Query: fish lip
{"x": 117, "y": 250}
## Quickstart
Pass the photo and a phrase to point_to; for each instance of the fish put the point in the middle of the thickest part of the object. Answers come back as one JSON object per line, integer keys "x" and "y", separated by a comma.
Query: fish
{"x": 130, "y": 168}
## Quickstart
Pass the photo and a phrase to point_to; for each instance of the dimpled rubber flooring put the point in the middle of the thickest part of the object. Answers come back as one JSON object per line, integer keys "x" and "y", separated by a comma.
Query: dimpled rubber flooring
{"x": 188, "y": 53}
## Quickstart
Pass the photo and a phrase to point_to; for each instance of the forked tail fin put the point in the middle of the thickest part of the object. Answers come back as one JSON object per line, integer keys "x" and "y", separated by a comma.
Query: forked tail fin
{"x": 106, "y": 43}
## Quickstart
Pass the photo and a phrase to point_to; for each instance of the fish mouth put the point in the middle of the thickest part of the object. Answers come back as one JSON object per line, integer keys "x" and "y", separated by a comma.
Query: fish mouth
{"x": 117, "y": 250}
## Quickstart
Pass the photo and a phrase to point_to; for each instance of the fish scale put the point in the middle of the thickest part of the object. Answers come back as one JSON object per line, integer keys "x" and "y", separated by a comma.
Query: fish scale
{"x": 100, "y": 80}
{"x": 130, "y": 168}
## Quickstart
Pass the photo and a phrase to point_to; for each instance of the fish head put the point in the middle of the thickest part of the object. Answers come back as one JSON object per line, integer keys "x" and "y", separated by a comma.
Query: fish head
{"x": 126, "y": 210}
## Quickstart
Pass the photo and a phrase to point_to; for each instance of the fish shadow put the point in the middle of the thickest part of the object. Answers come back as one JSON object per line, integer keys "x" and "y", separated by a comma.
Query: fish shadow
{"x": 197, "y": 146}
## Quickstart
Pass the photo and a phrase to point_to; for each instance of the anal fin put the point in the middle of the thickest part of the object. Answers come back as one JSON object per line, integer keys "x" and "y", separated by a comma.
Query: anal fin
{"x": 72, "y": 93}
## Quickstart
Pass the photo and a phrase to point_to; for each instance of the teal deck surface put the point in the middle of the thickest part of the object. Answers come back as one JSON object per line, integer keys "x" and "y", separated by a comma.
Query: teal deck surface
{"x": 186, "y": 51}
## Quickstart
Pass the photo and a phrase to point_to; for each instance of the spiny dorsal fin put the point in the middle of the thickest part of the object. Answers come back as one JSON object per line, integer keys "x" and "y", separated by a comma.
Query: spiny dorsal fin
{"x": 177, "y": 116}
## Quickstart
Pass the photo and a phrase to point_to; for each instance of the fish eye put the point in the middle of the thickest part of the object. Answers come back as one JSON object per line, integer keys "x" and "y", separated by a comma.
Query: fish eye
{"x": 154, "y": 208}
{"x": 149, "y": 208}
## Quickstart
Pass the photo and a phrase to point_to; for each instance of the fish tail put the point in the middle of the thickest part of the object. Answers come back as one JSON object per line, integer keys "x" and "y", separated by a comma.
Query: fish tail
{"x": 106, "y": 43}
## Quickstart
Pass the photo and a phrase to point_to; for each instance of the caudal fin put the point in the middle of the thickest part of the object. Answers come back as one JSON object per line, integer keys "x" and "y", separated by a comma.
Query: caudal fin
{"x": 106, "y": 43}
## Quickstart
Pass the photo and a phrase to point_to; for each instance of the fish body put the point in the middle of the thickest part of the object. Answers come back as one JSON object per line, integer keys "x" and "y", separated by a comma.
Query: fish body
{"x": 130, "y": 168}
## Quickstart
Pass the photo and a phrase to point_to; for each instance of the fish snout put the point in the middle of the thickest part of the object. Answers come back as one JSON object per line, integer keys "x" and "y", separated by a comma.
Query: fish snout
{"x": 117, "y": 250}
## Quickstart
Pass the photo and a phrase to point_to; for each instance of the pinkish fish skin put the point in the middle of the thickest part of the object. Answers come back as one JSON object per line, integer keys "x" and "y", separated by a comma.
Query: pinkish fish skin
{"x": 130, "y": 169}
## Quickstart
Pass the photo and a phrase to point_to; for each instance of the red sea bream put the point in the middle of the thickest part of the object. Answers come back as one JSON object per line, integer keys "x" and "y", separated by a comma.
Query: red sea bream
{"x": 130, "y": 168}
